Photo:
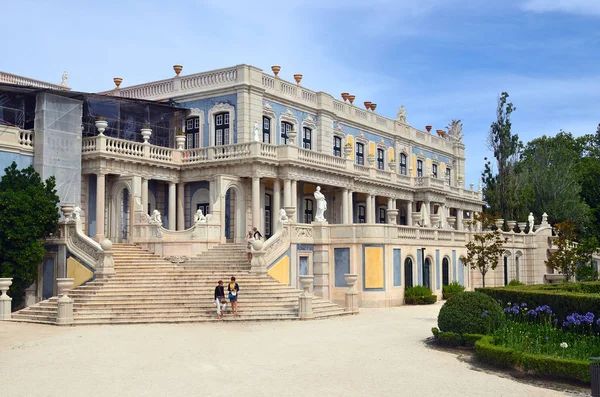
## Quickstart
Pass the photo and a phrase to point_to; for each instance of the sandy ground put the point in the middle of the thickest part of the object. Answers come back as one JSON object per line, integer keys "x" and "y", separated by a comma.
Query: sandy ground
{"x": 380, "y": 352}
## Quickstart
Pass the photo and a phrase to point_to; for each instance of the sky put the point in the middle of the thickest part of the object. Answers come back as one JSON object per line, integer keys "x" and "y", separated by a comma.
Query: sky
{"x": 442, "y": 59}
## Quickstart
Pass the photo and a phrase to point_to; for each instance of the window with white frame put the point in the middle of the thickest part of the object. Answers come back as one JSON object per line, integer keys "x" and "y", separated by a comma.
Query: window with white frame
{"x": 307, "y": 138}
{"x": 285, "y": 128}
{"x": 222, "y": 129}
{"x": 382, "y": 211}
{"x": 360, "y": 153}
{"x": 434, "y": 169}
{"x": 360, "y": 216}
{"x": 192, "y": 132}
{"x": 419, "y": 168}
{"x": 403, "y": 163}
{"x": 337, "y": 146}
{"x": 266, "y": 129}
{"x": 380, "y": 159}
{"x": 448, "y": 176}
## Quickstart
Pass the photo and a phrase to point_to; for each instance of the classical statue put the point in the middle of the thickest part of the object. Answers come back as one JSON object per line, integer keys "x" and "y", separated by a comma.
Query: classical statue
{"x": 155, "y": 218}
{"x": 530, "y": 221}
{"x": 321, "y": 205}
{"x": 283, "y": 216}
{"x": 199, "y": 217}
{"x": 256, "y": 132}
{"x": 401, "y": 116}
{"x": 63, "y": 82}
{"x": 454, "y": 130}
{"x": 77, "y": 213}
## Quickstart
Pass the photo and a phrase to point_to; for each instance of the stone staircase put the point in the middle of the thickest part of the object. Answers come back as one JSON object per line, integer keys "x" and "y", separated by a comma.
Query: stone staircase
{"x": 149, "y": 289}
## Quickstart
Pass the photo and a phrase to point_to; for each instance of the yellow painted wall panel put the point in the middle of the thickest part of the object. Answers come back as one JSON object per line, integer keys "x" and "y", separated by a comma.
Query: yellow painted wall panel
{"x": 77, "y": 271}
{"x": 414, "y": 165}
{"x": 281, "y": 270}
{"x": 391, "y": 154}
{"x": 372, "y": 148}
{"x": 374, "y": 272}
{"x": 350, "y": 140}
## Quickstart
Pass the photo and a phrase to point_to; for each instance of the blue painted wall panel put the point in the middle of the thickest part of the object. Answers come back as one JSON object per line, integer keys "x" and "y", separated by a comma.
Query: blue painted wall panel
{"x": 437, "y": 269}
{"x": 419, "y": 267}
{"x": 342, "y": 265}
{"x": 207, "y": 104}
{"x": 7, "y": 158}
{"x": 298, "y": 114}
{"x": 397, "y": 267}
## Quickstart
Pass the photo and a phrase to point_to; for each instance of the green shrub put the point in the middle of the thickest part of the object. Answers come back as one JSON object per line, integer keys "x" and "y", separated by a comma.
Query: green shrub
{"x": 514, "y": 283}
{"x": 419, "y": 295}
{"x": 487, "y": 351}
{"x": 558, "y": 296}
{"x": 470, "y": 313}
{"x": 451, "y": 289}
{"x": 454, "y": 339}
{"x": 470, "y": 339}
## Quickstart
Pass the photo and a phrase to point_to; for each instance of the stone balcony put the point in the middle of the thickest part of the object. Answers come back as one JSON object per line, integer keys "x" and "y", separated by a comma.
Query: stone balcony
{"x": 119, "y": 149}
{"x": 27, "y": 82}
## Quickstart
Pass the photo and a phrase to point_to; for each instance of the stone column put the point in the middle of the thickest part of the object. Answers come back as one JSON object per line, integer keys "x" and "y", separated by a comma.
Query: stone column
{"x": 255, "y": 201}
{"x": 295, "y": 194}
{"x": 5, "y": 300}
{"x": 145, "y": 195}
{"x": 427, "y": 219}
{"x": 276, "y": 203}
{"x": 287, "y": 193}
{"x": 172, "y": 198}
{"x": 180, "y": 209}
{"x": 392, "y": 212}
{"x": 369, "y": 209}
{"x": 409, "y": 208}
{"x": 345, "y": 211}
{"x": 350, "y": 207}
{"x": 305, "y": 311}
{"x": 100, "y": 194}
{"x": 459, "y": 219}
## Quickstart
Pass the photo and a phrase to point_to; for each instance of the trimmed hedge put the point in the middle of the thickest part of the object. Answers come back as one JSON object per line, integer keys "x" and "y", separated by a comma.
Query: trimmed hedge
{"x": 419, "y": 295}
{"x": 451, "y": 289}
{"x": 501, "y": 356}
{"x": 470, "y": 313}
{"x": 562, "y": 302}
{"x": 453, "y": 339}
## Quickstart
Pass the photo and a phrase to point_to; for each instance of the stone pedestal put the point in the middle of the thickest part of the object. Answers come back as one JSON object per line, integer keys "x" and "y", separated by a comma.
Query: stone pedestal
{"x": 351, "y": 294}
{"x": 321, "y": 259}
{"x": 31, "y": 295}
{"x": 5, "y": 300}
{"x": 392, "y": 216}
{"x": 305, "y": 311}
{"x": 258, "y": 264}
{"x": 65, "y": 304}
{"x": 290, "y": 211}
{"x": 106, "y": 267}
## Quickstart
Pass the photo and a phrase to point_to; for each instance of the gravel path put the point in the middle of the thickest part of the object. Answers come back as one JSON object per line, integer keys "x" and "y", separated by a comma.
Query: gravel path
{"x": 380, "y": 353}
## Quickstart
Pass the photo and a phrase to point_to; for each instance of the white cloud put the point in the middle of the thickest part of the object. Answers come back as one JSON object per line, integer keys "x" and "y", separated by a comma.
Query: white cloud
{"x": 581, "y": 7}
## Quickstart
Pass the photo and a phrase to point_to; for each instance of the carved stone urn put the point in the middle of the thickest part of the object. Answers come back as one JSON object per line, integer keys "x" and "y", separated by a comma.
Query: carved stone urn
{"x": 292, "y": 137}
{"x": 347, "y": 150}
{"x": 345, "y": 96}
{"x": 5, "y": 284}
{"x": 367, "y": 105}
{"x": 499, "y": 223}
{"x": 177, "y": 69}
{"x": 522, "y": 226}
{"x": 373, "y": 106}
{"x": 101, "y": 126}
{"x": 67, "y": 211}
{"x": 146, "y": 134}
{"x": 451, "y": 221}
{"x": 180, "y": 141}
{"x": 511, "y": 225}
{"x": 64, "y": 285}
{"x": 276, "y": 69}
{"x": 351, "y": 99}
{"x": 350, "y": 281}
{"x": 298, "y": 78}
{"x": 392, "y": 165}
{"x": 306, "y": 282}
{"x": 118, "y": 81}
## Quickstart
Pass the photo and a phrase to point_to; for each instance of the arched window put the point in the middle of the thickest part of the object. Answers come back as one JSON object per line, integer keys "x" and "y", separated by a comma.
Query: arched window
{"x": 308, "y": 211}
{"x": 380, "y": 159}
{"x": 402, "y": 163}
{"x": 408, "y": 272}
{"x": 360, "y": 153}
{"x": 445, "y": 272}
{"x": 266, "y": 130}
{"x": 222, "y": 129}
{"x": 307, "y": 138}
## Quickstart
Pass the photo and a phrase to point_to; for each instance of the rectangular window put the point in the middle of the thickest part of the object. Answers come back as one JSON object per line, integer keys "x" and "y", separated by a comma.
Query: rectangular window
{"x": 307, "y": 139}
{"x": 308, "y": 211}
{"x": 190, "y": 124}
{"x": 219, "y": 118}
{"x": 285, "y": 128}
{"x": 361, "y": 214}
{"x": 337, "y": 146}
{"x": 226, "y": 136}
{"x": 380, "y": 159}
{"x": 266, "y": 129}
{"x": 226, "y": 118}
{"x": 448, "y": 176}
{"x": 419, "y": 168}
{"x": 382, "y": 212}
{"x": 197, "y": 122}
{"x": 189, "y": 141}
{"x": 403, "y": 164}
{"x": 222, "y": 129}
{"x": 360, "y": 154}
{"x": 434, "y": 170}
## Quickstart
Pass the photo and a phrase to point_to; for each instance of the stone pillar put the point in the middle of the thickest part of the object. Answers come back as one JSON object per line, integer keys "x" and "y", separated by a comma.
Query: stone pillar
{"x": 345, "y": 210}
{"x": 100, "y": 194}
{"x": 31, "y": 295}
{"x": 276, "y": 203}
{"x": 350, "y": 208}
{"x": 392, "y": 212}
{"x": 459, "y": 219}
{"x": 255, "y": 201}
{"x": 172, "y": 198}
{"x": 351, "y": 294}
{"x": 5, "y": 300}
{"x": 65, "y": 304}
{"x": 321, "y": 259}
{"x": 180, "y": 210}
{"x": 287, "y": 193}
{"x": 145, "y": 195}
{"x": 295, "y": 194}
{"x": 369, "y": 209}
{"x": 409, "y": 208}
{"x": 426, "y": 221}
{"x": 305, "y": 311}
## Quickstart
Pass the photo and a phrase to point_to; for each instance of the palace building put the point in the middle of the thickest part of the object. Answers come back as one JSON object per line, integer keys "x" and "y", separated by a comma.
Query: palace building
{"x": 249, "y": 149}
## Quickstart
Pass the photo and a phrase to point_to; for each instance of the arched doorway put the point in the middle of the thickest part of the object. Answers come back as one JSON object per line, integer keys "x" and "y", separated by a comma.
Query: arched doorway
{"x": 124, "y": 216}
{"x": 233, "y": 218}
{"x": 427, "y": 273}
{"x": 230, "y": 215}
{"x": 120, "y": 213}
{"x": 505, "y": 270}
{"x": 408, "y": 272}
{"x": 445, "y": 272}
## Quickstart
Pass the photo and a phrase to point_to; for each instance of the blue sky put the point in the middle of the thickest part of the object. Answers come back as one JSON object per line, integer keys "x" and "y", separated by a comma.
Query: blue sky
{"x": 442, "y": 59}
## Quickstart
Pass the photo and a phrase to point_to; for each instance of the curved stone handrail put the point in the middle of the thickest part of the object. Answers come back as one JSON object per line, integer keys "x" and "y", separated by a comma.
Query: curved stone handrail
{"x": 208, "y": 231}
{"x": 92, "y": 254}
{"x": 277, "y": 244}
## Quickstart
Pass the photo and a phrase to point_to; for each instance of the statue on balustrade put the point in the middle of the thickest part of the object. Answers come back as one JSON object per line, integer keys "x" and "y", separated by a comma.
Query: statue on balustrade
{"x": 321, "y": 205}
{"x": 199, "y": 217}
{"x": 77, "y": 213}
{"x": 155, "y": 218}
{"x": 283, "y": 216}
{"x": 401, "y": 116}
{"x": 454, "y": 130}
{"x": 530, "y": 220}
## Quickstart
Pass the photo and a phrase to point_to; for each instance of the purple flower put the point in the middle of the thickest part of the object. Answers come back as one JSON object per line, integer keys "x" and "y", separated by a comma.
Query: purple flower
{"x": 598, "y": 322}
{"x": 533, "y": 313}
{"x": 523, "y": 304}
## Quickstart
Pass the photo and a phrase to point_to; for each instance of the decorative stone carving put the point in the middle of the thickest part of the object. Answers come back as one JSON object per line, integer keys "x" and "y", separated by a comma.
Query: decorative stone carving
{"x": 77, "y": 213}
{"x": 256, "y": 134}
{"x": 303, "y": 232}
{"x": 454, "y": 130}
{"x": 65, "y": 76}
{"x": 177, "y": 259}
{"x": 283, "y": 218}
{"x": 5, "y": 300}
{"x": 530, "y": 221}
{"x": 401, "y": 116}
{"x": 199, "y": 217}
{"x": 544, "y": 219}
{"x": 321, "y": 205}
{"x": 155, "y": 218}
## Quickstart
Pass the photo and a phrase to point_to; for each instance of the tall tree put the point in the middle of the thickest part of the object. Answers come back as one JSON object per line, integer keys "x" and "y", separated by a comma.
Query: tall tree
{"x": 501, "y": 184}
{"x": 486, "y": 247}
{"x": 28, "y": 213}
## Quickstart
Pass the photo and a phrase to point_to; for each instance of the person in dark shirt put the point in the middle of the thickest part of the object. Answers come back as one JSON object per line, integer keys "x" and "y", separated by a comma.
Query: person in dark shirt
{"x": 233, "y": 289}
{"x": 257, "y": 235}
{"x": 220, "y": 299}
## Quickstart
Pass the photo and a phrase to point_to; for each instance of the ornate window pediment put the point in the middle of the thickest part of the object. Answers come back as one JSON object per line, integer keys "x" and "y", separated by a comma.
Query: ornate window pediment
{"x": 221, "y": 107}
{"x": 361, "y": 138}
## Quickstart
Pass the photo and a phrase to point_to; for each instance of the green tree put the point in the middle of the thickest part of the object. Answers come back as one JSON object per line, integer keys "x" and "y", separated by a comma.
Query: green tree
{"x": 549, "y": 168}
{"x": 501, "y": 189}
{"x": 486, "y": 247}
{"x": 585, "y": 269}
{"x": 28, "y": 213}
{"x": 566, "y": 257}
